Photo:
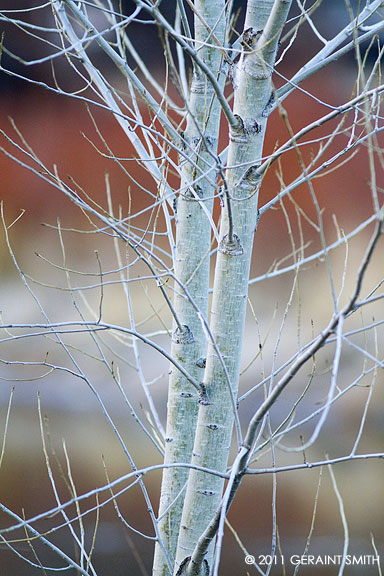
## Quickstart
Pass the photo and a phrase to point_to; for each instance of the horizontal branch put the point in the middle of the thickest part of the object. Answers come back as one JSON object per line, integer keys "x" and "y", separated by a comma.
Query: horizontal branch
{"x": 139, "y": 472}
{"x": 317, "y": 255}
{"x": 347, "y": 107}
{"x": 87, "y": 326}
{"x": 310, "y": 465}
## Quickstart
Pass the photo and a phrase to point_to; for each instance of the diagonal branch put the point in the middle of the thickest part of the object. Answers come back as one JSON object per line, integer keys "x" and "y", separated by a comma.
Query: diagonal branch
{"x": 327, "y": 54}
{"x": 122, "y": 66}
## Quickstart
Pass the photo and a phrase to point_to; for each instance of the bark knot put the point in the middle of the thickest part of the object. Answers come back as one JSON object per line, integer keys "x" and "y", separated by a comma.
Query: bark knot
{"x": 201, "y": 362}
{"x": 250, "y": 179}
{"x": 237, "y": 133}
{"x": 203, "y": 396}
{"x": 206, "y": 492}
{"x": 212, "y": 426}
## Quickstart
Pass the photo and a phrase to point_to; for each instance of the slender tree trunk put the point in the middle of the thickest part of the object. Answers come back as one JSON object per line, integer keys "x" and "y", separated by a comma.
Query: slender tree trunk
{"x": 253, "y": 94}
{"x": 193, "y": 242}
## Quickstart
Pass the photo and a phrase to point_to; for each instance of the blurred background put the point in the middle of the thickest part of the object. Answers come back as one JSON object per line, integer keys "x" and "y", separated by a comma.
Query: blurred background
{"x": 56, "y": 416}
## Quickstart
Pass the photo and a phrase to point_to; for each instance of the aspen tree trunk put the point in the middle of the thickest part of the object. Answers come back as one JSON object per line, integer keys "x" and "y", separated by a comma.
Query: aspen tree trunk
{"x": 193, "y": 242}
{"x": 253, "y": 97}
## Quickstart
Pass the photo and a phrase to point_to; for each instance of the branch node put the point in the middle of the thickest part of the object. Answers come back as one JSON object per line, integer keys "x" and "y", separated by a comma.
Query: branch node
{"x": 183, "y": 335}
{"x": 252, "y": 127}
{"x": 249, "y": 39}
{"x": 250, "y": 178}
{"x": 233, "y": 248}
